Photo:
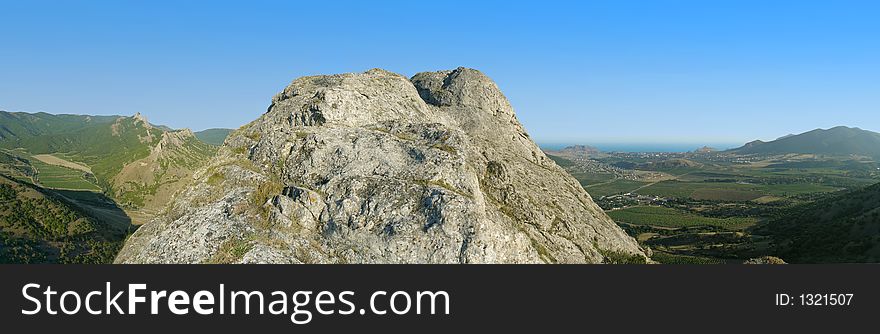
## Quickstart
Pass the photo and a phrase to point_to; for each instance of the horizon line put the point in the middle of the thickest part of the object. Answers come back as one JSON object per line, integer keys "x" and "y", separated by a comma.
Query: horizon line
{"x": 537, "y": 140}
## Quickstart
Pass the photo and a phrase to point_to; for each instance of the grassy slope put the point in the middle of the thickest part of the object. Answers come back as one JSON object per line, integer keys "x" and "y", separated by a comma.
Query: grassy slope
{"x": 159, "y": 174}
{"x": 104, "y": 143}
{"x": 93, "y": 140}
{"x": 118, "y": 150}
{"x": 18, "y": 126}
{"x": 54, "y": 225}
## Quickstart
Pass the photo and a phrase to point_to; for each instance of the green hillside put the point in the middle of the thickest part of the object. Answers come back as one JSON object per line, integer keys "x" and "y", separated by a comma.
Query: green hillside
{"x": 136, "y": 163}
{"x": 43, "y": 226}
{"x": 839, "y": 141}
{"x": 20, "y": 126}
{"x": 105, "y": 143}
{"x": 841, "y": 228}
{"x": 213, "y": 136}
{"x": 151, "y": 180}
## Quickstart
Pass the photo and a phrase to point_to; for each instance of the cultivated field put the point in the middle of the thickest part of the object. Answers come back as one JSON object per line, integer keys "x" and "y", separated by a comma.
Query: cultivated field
{"x": 705, "y": 208}
{"x": 611, "y": 187}
{"x": 53, "y": 160}
{"x": 58, "y": 177}
{"x": 668, "y": 217}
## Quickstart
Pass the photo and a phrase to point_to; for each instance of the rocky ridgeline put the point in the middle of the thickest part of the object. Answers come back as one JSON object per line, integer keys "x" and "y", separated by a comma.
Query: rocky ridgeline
{"x": 377, "y": 168}
{"x": 144, "y": 186}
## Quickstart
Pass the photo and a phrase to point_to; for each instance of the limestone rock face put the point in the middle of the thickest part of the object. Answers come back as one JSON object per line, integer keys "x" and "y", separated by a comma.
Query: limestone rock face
{"x": 377, "y": 168}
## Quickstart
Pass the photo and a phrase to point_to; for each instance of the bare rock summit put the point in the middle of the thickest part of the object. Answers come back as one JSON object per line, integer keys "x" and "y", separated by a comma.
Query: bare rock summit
{"x": 377, "y": 168}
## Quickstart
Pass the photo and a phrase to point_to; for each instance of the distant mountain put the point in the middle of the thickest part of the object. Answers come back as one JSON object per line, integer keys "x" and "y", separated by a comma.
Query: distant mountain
{"x": 575, "y": 152}
{"x": 213, "y": 136}
{"x": 839, "y": 140}
{"x": 19, "y": 126}
{"x": 705, "y": 149}
{"x": 843, "y": 228}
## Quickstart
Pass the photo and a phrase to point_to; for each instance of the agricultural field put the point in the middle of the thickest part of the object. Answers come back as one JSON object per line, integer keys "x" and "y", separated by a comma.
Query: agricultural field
{"x": 712, "y": 208}
{"x": 592, "y": 179}
{"x": 613, "y": 187}
{"x": 54, "y": 160}
{"x": 750, "y": 183}
{"x": 674, "y": 218}
{"x": 703, "y": 190}
{"x": 59, "y": 177}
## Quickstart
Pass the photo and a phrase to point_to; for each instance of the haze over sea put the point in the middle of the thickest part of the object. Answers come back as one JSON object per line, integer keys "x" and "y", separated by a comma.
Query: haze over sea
{"x": 643, "y": 147}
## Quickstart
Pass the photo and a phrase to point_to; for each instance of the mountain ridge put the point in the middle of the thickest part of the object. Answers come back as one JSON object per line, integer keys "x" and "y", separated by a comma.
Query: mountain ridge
{"x": 575, "y": 152}
{"x": 839, "y": 140}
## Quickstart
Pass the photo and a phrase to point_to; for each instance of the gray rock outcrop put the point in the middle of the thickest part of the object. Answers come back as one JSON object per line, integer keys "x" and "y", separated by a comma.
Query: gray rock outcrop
{"x": 377, "y": 168}
{"x": 765, "y": 260}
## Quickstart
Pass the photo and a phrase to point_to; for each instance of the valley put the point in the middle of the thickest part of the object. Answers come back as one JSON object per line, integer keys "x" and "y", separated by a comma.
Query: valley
{"x": 720, "y": 207}
{"x": 115, "y": 171}
{"x": 704, "y": 206}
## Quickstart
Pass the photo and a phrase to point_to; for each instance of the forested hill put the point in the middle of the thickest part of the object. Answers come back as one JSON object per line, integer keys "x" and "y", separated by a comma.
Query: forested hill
{"x": 841, "y": 229}
{"x": 40, "y": 226}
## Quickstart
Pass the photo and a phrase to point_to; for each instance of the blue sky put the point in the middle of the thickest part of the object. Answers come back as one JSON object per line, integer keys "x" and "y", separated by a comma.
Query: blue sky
{"x": 576, "y": 72}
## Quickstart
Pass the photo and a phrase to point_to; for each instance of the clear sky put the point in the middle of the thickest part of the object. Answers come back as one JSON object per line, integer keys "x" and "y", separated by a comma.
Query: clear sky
{"x": 577, "y": 72}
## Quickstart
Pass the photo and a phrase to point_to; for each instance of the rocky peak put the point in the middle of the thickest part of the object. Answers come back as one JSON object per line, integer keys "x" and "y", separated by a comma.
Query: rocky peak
{"x": 462, "y": 87}
{"x": 173, "y": 139}
{"x": 476, "y": 105}
{"x": 351, "y": 99}
{"x": 136, "y": 122}
{"x": 141, "y": 120}
{"x": 376, "y": 168}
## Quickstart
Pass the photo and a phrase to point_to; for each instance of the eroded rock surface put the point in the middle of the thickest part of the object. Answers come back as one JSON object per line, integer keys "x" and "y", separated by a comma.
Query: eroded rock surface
{"x": 377, "y": 168}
